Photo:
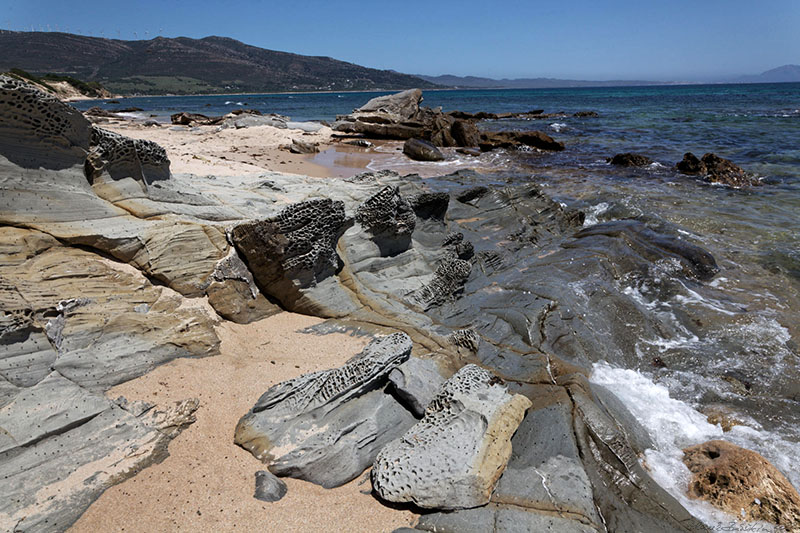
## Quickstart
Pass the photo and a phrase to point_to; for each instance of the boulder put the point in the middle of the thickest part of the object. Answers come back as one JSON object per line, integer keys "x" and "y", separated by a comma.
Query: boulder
{"x": 716, "y": 169}
{"x": 583, "y": 114}
{"x": 453, "y": 457}
{"x": 742, "y": 483}
{"x": 100, "y": 112}
{"x": 465, "y": 133}
{"x": 327, "y": 427}
{"x": 420, "y": 150}
{"x": 515, "y": 139}
{"x": 630, "y": 160}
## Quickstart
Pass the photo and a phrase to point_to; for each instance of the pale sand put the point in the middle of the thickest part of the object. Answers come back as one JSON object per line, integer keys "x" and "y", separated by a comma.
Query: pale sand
{"x": 230, "y": 152}
{"x": 207, "y": 482}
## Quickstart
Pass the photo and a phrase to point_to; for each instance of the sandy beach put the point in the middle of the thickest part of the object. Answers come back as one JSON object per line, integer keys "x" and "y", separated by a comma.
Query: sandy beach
{"x": 207, "y": 482}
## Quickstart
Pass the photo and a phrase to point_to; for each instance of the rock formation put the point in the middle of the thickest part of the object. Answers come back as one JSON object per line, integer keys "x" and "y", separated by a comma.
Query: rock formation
{"x": 327, "y": 427}
{"x": 475, "y": 413}
{"x": 484, "y": 281}
{"x": 743, "y": 483}
{"x": 715, "y": 169}
{"x": 400, "y": 117}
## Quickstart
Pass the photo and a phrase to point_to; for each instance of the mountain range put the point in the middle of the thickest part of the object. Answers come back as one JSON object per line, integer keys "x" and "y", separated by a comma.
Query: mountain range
{"x": 187, "y": 66}
{"x": 222, "y": 65}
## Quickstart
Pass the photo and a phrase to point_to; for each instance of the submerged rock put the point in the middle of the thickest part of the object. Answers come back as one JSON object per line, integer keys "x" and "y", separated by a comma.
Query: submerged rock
{"x": 743, "y": 483}
{"x": 327, "y": 427}
{"x": 420, "y": 150}
{"x": 453, "y": 457}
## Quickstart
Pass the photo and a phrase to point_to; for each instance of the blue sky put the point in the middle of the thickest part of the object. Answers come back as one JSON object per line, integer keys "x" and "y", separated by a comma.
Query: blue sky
{"x": 615, "y": 39}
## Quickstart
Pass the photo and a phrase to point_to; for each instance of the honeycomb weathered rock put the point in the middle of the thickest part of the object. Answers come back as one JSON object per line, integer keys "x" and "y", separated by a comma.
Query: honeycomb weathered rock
{"x": 453, "y": 457}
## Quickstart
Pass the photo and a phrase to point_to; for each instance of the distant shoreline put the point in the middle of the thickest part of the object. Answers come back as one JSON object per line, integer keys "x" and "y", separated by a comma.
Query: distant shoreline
{"x": 445, "y": 89}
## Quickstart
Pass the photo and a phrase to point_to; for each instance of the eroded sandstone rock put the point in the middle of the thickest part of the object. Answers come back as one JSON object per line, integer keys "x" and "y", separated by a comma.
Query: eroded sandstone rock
{"x": 453, "y": 457}
{"x": 743, "y": 483}
{"x": 326, "y": 427}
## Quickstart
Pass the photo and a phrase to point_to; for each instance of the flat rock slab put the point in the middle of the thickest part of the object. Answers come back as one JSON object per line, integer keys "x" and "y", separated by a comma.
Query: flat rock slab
{"x": 454, "y": 456}
{"x": 416, "y": 382}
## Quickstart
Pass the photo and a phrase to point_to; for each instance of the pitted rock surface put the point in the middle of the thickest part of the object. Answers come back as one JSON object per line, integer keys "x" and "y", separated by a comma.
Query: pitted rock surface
{"x": 326, "y": 427}
{"x": 453, "y": 457}
{"x": 465, "y": 338}
{"x": 124, "y": 157}
{"x": 387, "y": 213}
{"x": 448, "y": 280}
{"x": 38, "y": 130}
{"x": 294, "y": 250}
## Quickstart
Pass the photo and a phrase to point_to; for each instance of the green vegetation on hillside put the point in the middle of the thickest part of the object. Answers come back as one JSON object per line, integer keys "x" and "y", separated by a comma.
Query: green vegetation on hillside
{"x": 91, "y": 88}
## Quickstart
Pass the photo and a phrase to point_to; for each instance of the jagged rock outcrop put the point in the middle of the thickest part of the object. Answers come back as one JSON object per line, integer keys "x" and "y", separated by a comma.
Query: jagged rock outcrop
{"x": 295, "y": 250}
{"x": 629, "y": 159}
{"x": 453, "y": 457}
{"x": 327, "y": 427}
{"x": 420, "y": 150}
{"x": 716, "y": 169}
{"x": 389, "y": 217}
{"x": 448, "y": 279}
{"x": 742, "y": 483}
{"x": 465, "y": 133}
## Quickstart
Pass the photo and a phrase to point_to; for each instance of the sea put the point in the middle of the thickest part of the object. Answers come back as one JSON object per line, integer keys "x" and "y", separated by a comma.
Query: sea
{"x": 745, "y": 359}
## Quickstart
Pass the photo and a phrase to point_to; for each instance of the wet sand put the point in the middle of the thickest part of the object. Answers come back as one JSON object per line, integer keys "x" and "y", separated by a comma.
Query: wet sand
{"x": 207, "y": 482}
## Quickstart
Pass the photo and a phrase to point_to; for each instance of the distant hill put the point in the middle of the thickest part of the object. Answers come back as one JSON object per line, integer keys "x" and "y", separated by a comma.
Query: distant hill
{"x": 784, "y": 74}
{"x": 188, "y": 66}
{"x": 472, "y": 82}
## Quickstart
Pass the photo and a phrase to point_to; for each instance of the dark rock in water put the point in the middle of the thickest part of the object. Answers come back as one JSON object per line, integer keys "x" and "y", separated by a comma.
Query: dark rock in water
{"x": 742, "y": 483}
{"x": 716, "y": 169}
{"x": 363, "y": 143}
{"x": 327, "y": 427}
{"x": 246, "y": 111}
{"x": 268, "y": 487}
{"x": 696, "y": 261}
{"x": 630, "y": 160}
{"x": 301, "y": 147}
{"x": 515, "y": 139}
{"x": 581, "y": 114}
{"x": 465, "y": 133}
{"x": 691, "y": 165}
{"x": 473, "y": 152}
{"x": 129, "y": 110}
{"x": 420, "y": 150}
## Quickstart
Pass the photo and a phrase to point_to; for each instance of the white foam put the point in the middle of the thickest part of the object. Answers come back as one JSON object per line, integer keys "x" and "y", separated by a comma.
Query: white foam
{"x": 593, "y": 212}
{"x": 674, "y": 425}
{"x": 558, "y": 126}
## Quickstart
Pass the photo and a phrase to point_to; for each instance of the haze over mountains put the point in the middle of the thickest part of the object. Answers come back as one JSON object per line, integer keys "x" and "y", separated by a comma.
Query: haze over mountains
{"x": 222, "y": 65}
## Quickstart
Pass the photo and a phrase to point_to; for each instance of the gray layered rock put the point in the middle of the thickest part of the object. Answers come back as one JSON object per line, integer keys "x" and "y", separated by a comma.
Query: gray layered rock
{"x": 327, "y": 427}
{"x": 453, "y": 457}
{"x": 389, "y": 218}
{"x": 448, "y": 279}
{"x": 416, "y": 382}
{"x": 122, "y": 157}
